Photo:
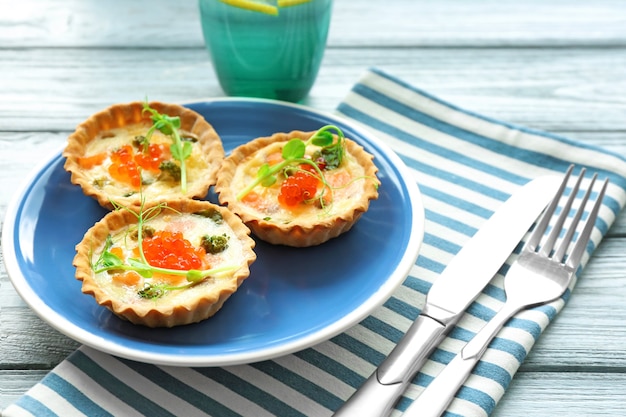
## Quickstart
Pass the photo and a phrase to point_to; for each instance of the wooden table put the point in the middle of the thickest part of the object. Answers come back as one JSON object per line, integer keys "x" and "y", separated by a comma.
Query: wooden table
{"x": 556, "y": 65}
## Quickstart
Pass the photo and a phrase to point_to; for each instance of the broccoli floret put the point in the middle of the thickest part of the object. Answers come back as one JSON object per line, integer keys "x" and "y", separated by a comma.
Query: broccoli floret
{"x": 215, "y": 244}
{"x": 146, "y": 232}
{"x": 99, "y": 182}
{"x": 141, "y": 142}
{"x": 213, "y": 214}
{"x": 170, "y": 169}
{"x": 150, "y": 291}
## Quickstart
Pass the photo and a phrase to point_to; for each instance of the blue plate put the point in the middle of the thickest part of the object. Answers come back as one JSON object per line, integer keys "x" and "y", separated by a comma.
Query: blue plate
{"x": 294, "y": 297}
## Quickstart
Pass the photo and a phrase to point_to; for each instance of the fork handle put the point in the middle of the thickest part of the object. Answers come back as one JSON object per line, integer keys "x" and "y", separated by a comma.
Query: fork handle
{"x": 434, "y": 400}
{"x": 477, "y": 346}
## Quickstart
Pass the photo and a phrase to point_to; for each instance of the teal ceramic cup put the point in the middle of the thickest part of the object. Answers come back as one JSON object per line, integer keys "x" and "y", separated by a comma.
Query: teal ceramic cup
{"x": 267, "y": 49}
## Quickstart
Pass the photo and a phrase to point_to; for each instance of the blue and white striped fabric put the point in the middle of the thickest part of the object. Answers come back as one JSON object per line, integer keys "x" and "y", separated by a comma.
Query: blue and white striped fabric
{"x": 466, "y": 166}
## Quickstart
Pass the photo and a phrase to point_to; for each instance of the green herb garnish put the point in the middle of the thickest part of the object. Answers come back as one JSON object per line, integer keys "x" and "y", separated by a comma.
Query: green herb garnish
{"x": 180, "y": 149}
{"x": 332, "y": 152}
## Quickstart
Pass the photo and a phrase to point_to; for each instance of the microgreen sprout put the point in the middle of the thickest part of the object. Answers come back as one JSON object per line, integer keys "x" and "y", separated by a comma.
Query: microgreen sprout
{"x": 180, "y": 149}
{"x": 109, "y": 261}
{"x": 293, "y": 153}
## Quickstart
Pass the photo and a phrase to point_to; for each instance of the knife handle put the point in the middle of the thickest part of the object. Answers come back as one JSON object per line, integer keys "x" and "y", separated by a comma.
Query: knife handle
{"x": 434, "y": 400}
{"x": 377, "y": 396}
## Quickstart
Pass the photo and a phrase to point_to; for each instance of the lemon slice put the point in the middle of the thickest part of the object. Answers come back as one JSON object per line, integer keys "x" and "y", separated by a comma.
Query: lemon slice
{"x": 287, "y": 3}
{"x": 254, "y": 6}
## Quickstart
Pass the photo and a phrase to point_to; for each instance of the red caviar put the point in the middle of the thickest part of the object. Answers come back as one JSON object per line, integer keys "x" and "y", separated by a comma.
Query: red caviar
{"x": 171, "y": 250}
{"x": 126, "y": 164}
{"x": 123, "y": 167}
{"x": 151, "y": 160}
{"x": 300, "y": 187}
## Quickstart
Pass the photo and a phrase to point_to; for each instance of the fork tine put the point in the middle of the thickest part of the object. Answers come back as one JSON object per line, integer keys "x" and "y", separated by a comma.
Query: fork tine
{"x": 547, "y": 247}
{"x": 581, "y": 244}
{"x": 542, "y": 225}
{"x": 559, "y": 254}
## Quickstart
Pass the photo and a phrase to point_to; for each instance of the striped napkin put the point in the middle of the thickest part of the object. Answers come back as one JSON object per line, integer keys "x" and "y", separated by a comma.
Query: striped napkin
{"x": 466, "y": 165}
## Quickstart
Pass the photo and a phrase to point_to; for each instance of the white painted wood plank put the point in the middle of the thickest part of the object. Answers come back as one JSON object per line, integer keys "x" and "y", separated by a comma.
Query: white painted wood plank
{"x": 564, "y": 394}
{"x": 14, "y": 383}
{"x": 549, "y": 89}
{"x": 159, "y": 23}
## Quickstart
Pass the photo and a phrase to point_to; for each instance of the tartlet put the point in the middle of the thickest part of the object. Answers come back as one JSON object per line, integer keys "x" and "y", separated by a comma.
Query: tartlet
{"x": 109, "y": 157}
{"x": 330, "y": 199}
{"x": 181, "y": 236}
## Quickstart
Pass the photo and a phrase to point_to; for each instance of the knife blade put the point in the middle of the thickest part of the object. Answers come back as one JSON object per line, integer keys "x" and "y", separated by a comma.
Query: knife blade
{"x": 450, "y": 295}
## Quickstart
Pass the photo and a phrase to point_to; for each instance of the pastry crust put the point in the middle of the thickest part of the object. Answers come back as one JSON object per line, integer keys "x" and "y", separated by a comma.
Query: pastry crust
{"x": 110, "y": 129}
{"x": 179, "y": 306}
{"x": 307, "y": 224}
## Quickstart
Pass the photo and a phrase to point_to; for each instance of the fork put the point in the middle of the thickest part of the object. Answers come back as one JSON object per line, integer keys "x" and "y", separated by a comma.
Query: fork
{"x": 539, "y": 275}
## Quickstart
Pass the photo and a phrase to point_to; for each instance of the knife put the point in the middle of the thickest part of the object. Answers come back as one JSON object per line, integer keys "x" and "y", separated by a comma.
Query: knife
{"x": 450, "y": 295}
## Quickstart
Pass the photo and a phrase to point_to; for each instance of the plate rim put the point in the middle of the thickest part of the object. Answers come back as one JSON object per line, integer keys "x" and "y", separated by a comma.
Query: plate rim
{"x": 85, "y": 337}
